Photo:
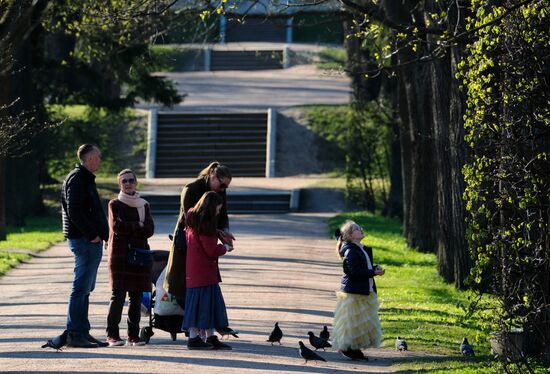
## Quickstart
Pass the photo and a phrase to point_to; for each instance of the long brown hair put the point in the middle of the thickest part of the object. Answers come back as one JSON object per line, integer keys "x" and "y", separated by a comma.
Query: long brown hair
{"x": 202, "y": 218}
{"x": 221, "y": 171}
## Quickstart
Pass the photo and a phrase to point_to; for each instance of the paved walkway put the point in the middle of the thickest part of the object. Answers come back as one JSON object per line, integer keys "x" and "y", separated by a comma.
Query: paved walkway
{"x": 238, "y": 90}
{"x": 283, "y": 269}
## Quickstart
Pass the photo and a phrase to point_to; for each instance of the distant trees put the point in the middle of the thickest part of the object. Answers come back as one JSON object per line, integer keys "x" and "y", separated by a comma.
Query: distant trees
{"x": 83, "y": 52}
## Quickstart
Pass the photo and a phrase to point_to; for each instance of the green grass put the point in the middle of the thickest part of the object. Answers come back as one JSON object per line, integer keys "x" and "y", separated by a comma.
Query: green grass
{"x": 417, "y": 304}
{"x": 38, "y": 234}
{"x": 11, "y": 260}
{"x": 168, "y": 58}
{"x": 332, "y": 59}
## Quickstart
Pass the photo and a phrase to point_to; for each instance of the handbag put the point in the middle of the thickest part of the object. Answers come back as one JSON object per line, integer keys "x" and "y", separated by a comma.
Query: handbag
{"x": 139, "y": 257}
{"x": 180, "y": 239}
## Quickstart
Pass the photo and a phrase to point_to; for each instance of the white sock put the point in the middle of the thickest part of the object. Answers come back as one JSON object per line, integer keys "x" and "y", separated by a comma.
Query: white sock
{"x": 209, "y": 332}
{"x": 193, "y": 332}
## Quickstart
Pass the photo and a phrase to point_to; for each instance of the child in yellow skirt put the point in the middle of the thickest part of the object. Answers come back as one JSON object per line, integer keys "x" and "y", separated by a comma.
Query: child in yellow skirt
{"x": 356, "y": 323}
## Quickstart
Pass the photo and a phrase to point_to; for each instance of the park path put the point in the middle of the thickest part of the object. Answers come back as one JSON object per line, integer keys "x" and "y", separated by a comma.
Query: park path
{"x": 283, "y": 269}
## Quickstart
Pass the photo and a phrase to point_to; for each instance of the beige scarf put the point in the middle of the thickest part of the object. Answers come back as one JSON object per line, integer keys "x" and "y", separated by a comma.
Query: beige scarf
{"x": 135, "y": 202}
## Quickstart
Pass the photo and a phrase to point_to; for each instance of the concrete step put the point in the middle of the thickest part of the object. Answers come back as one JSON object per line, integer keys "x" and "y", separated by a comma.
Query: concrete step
{"x": 186, "y": 142}
{"x": 248, "y": 202}
{"x": 246, "y": 60}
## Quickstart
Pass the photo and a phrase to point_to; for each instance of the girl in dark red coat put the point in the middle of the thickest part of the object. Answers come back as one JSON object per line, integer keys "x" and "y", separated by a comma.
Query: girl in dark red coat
{"x": 204, "y": 304}
{"x": 130, "y": 224}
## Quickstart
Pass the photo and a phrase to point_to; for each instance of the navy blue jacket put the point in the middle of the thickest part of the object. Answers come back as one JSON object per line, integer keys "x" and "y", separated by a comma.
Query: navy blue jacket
{"x": 356, "y": 271}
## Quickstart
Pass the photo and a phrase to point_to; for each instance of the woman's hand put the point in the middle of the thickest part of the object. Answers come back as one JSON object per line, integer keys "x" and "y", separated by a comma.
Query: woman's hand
{"x": 226, "y": 237}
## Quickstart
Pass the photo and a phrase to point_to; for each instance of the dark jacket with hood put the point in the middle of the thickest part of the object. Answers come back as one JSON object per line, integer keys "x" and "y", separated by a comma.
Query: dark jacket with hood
{"x": 356, "y": 271}
{"x": 83, "y": 216}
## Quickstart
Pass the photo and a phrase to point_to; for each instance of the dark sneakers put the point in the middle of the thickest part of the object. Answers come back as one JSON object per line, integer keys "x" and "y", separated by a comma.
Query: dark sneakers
{"x": 216, "y": 343}
{"x": 79, "y": 341}
{"x": 197, "y": 343}
{"x": 99, "y": 343}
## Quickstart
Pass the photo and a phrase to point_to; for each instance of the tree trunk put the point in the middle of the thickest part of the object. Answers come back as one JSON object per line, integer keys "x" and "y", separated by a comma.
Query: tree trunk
{"x": 440, "y": 96}
{"x": 450, "y": 149}
{"x": 3, "y": 230}
{"x": 421, "y": 228}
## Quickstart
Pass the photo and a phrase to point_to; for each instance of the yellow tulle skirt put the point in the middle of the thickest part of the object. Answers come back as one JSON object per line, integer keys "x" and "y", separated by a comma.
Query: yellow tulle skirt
{"x": 356, "y": 323}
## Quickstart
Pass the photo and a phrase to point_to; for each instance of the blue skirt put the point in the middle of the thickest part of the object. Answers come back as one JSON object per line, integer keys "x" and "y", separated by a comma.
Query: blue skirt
{"x": 204, "y": 308}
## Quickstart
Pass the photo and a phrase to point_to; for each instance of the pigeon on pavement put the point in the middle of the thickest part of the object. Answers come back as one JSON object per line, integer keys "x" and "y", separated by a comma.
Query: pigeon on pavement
{"x": 307, "y": 354}
{"x": 226, "y": 331}
{"x": 400, "y": 344}
{"x": 276, "y": 335}
{"x": 466, "y": 349}
{"x": 318, "y": 342}
{"x": 324, "y": 334}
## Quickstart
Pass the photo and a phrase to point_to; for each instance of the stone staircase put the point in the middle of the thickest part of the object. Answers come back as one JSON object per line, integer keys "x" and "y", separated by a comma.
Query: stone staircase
{"x": 238, "y": 202}
{"x": 186, "y": 142}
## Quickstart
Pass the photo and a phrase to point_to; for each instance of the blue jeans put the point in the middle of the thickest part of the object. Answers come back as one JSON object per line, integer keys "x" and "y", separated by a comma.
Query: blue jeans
{"x": 87, "y": 257}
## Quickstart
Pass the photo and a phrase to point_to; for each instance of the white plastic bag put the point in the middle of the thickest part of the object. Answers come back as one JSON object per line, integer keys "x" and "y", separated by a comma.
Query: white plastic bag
{"x": 165, "y": 303}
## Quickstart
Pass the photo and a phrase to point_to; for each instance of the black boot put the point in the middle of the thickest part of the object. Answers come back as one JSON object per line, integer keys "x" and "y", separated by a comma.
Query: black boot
{"x": 216, "y": 343}
{"x": 79, "y": 341}
{"x": 197, "y": 343}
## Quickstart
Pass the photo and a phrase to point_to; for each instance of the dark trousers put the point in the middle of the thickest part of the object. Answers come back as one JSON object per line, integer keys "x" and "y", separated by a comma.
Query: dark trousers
{"x": 115, "y": 312}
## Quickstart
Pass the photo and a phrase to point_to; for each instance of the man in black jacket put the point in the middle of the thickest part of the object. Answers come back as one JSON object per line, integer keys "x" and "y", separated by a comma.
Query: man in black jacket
{"x": 85, "y": 227}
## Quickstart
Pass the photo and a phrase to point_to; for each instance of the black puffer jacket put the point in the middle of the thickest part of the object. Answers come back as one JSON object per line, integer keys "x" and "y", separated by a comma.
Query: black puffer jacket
{"x": 356, "y": 271}
{"x": 83, "y": 215}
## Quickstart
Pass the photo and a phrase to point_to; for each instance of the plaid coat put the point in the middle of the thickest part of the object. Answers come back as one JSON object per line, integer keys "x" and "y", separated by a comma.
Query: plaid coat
{"x": 124, "y": 230}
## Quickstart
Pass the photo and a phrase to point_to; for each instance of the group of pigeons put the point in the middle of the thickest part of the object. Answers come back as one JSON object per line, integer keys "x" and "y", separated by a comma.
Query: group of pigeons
{"x": 322, "y": 342}
{"x": 317, "y": 342}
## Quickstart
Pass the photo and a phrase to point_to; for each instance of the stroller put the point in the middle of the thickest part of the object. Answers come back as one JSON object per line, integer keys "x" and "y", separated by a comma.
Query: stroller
{"x": 169, "y": 323}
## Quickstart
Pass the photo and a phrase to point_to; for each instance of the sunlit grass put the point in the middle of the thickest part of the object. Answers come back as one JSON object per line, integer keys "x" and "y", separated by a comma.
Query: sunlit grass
{"x": 38, "y": 234}
{"x": 10, "y": 260}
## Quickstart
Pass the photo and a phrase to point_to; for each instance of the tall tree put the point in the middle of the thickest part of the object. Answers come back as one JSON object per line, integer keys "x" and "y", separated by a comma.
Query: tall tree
{"x": 17, "y": 20}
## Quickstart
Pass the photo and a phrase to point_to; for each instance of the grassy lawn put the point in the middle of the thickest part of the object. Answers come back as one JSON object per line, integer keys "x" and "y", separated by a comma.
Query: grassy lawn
{"x": 38, "y": 234}
{"x": 332, "y": 59}
{"x": 418, "y": 305}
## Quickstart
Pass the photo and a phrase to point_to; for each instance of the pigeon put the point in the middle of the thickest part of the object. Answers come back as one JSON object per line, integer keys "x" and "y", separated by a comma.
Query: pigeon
{"x": 318, "y": 342}
{"x": 307, "y": 354}
{"x": 226, "y": 331}
{"x": 276, "y": 335}
{"x": 400, "y": 344}
{"x": 58, "y": 342}
{"x": 466, "y": 349}
{"x": 324, "y": 334}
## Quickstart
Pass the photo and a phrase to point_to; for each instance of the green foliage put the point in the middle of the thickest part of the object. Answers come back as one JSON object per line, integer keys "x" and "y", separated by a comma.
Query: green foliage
{"x": 332, "y": 59}
{"x": 99, "y": 55}
{"x": 121, "y": 137}
{"x": 507, "y": 125}
{"x": 363, "y": 135}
